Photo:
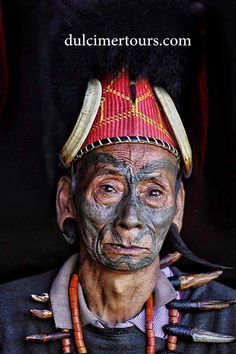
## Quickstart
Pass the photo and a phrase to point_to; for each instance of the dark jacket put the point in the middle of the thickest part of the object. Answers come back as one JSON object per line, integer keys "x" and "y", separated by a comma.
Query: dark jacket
{"x": 16, "y": 322}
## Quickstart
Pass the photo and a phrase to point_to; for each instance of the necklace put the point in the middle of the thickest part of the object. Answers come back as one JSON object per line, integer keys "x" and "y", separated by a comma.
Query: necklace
{"x": 75, "y": 315}
{"x": 78, "y": 332}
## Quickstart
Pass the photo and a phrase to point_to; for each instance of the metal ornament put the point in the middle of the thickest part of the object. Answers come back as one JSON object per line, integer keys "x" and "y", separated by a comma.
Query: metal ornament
{"x": 196, "y": 334}
{"x": 200, "y": 336}
{"x": 69, "y": 230}
{"x": 45, "y": 338}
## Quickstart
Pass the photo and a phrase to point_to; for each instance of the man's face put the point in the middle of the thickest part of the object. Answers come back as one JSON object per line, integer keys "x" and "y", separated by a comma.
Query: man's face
{"x": 126, "y": 203}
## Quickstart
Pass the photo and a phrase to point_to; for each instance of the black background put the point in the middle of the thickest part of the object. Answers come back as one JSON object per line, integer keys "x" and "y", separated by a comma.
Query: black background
{"x": 30, "y": 241}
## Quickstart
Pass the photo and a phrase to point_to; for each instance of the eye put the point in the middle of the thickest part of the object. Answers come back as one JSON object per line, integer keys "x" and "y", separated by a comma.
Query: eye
{"x": 107, "y": 188}
{"x": 155, "y": 192}
{"x": 152, "y": 194}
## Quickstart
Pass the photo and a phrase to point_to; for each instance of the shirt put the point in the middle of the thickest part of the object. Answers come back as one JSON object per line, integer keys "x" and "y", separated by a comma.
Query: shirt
{"x": 164, "y": 293}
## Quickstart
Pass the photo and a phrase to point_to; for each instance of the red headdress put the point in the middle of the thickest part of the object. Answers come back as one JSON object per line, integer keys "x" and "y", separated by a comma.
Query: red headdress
{"x": 123, "y": 118}
{"x": 131, "y": 89}
{"x": 128, "y": 112}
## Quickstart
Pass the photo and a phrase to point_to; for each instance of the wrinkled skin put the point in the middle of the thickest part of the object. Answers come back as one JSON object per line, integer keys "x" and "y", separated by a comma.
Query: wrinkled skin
{"x": 126, "y": 202}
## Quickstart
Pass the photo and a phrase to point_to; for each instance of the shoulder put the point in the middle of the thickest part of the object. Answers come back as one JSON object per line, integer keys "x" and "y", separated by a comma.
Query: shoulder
{"x": 213, "y": 289}
{"x": 29, "y": 285}
{"x": 216, "y": 289}
{"x": 222, "y": 321}
{"x": 15, "y": 319}
{"x": 16, "y": 295}
{"x": 219, "y": 321}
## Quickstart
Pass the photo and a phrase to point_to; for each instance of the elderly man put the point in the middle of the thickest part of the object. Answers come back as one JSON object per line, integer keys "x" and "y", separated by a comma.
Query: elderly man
{"x": 123, "y": 195}
{"x": 122, "y": 198}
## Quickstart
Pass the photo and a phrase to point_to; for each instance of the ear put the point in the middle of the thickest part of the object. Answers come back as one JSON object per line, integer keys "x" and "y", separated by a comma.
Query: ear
{"x": 178, "y": 219}
{"x": 64, "y": 201}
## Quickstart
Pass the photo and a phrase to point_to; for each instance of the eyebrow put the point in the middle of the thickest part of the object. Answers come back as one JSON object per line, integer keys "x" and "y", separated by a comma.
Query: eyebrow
{"x": 107, "y": 171}
{"x": 155, "y": 166}
{"x": 94, "y": 159}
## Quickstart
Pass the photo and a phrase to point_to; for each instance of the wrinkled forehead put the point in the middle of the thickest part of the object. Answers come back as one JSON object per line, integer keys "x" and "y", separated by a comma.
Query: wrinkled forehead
{"x": 135, "y": 157}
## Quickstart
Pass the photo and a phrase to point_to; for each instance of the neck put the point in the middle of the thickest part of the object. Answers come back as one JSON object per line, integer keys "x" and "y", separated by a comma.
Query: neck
{"x": 113, "y": 296}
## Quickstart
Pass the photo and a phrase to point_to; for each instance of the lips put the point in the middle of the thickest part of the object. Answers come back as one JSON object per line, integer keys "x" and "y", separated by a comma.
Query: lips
{"x": 117, "y": 249}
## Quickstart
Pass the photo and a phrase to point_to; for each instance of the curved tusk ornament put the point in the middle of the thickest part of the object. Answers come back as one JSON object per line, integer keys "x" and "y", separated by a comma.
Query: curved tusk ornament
{"x": 42, "y": 298}
{"x": 183, "y": 282}
{"x": 199, "y": 305}
{"x": 197, "y": 335}
{"x": 84, "y": 122}
{"x": 170, "y": 259}
{"x": 42, "y": 314}
{"x": 177, "y": 127}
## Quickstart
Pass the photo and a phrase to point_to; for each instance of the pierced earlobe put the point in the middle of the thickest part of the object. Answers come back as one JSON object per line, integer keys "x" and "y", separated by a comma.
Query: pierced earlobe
{"x": 70, "y": 230}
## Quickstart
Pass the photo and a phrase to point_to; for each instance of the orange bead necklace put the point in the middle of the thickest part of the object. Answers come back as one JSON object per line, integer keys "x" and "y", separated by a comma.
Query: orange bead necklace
{"x": 78, "y": 332}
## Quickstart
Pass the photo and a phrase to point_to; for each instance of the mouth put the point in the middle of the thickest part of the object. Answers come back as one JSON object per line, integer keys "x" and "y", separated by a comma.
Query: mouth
{"x": 118, "y": 249}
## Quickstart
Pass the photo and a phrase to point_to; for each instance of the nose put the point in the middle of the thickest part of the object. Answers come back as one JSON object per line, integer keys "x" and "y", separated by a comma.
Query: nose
{"x": 130, "y": 217}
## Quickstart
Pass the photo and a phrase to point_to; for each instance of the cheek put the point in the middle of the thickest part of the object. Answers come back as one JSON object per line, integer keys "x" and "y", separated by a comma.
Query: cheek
{"x": 161, "y": 219}
{"x": 94, "y": 213}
